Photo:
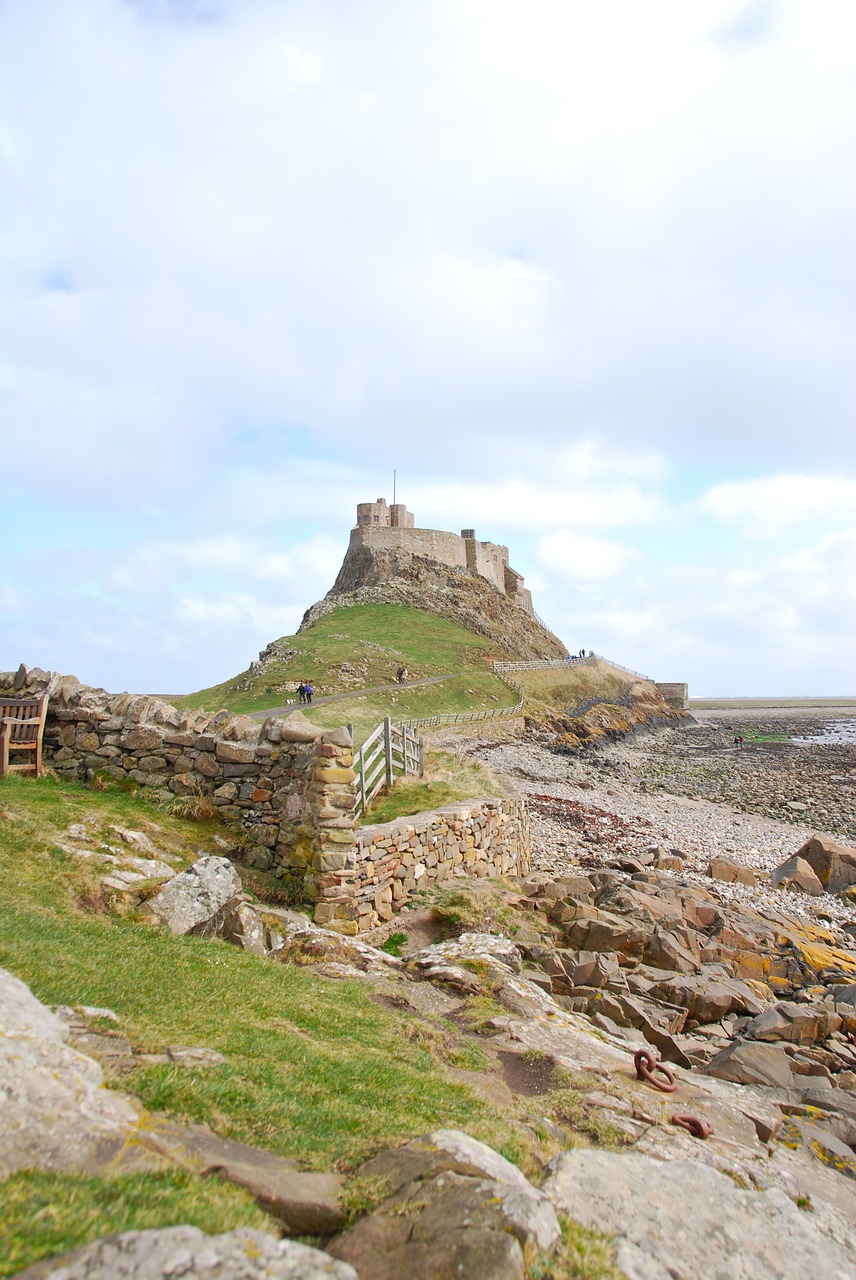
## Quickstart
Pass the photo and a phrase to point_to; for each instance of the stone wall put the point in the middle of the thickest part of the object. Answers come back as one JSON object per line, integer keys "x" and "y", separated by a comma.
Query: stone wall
{"x": 434, "y": 544}
{"x": 288, "y": 783}
{"x": 677, "y": 695}
{"x": 390, "y": 862}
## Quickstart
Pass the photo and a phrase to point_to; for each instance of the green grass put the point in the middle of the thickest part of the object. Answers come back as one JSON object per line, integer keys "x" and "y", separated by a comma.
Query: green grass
{"x": 375, "y": 640}
{"x": 448, "y": 779}
{"x": 315, "y": 1070}
{"x": 43, "y": 1214}
{"x": 582, "y": 1254}
{"x": 474, "y": 691}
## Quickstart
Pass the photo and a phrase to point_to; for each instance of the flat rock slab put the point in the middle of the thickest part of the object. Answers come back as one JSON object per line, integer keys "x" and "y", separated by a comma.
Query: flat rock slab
{"x": 682, "y": 1219}
{"x": 751, "y": 1062}
{"x": 304, "y": 1203}
{"x": 187, "y": 1252}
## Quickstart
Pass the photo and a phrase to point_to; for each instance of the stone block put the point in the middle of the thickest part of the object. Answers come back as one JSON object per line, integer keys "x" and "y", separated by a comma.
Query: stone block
{"x": 141, "y": 739}
{"x": 234, "y": 753}
{"x": 153, "y": 764}
{"x": 334, "y": 775}
{"x": 207, "y": 766}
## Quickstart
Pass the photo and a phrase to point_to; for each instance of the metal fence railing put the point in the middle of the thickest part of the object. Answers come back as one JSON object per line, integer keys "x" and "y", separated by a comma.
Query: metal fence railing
{"x": 544, "y": 664}
{"x": 389, "y": 749}
{"x": 556, "y": 664}
{"x": 600, "y": 658}
{"x": 471, "y": 717}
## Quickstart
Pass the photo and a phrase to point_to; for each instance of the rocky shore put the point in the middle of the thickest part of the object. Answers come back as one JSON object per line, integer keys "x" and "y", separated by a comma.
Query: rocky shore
{"x": 691, "y": 792}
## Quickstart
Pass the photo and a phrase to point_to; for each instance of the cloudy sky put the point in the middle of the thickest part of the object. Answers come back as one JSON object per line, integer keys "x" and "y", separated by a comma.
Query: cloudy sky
{"x": 583, "y": 273}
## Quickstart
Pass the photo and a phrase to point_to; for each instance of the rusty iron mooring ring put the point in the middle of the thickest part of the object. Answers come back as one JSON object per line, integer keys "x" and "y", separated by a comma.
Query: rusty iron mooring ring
{"x": 698, "y": 1128}
{"x": 646, "y": 1064}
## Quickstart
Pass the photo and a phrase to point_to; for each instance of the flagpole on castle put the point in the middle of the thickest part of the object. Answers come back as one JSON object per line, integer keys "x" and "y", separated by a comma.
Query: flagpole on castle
{"x": 394, "y": 474}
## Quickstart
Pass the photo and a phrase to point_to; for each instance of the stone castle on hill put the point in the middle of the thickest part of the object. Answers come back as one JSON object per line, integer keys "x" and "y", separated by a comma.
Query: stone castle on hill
{"x": 390, "y": 561}
{"x": 382, "y": 528}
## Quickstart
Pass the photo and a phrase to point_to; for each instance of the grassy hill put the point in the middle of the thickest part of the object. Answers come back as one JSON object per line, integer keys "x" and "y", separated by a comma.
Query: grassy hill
{"x": 360, "y": 648}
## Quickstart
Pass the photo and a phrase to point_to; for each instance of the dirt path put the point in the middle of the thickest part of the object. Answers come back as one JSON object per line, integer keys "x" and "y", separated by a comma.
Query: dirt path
{"x": 348, "y": 693}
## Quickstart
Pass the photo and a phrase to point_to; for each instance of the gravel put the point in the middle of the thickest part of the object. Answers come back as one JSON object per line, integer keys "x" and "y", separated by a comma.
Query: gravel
{"x": 588, "y": 809}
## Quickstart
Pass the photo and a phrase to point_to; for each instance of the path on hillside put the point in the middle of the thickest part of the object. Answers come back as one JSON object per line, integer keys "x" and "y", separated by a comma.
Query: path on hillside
{"x": 349, "y": 693}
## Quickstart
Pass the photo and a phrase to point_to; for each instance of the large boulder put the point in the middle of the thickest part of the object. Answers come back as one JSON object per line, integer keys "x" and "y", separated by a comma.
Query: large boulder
{"x": 170, "y": 1252}
{"x": 673, "y": 1218}
{"x": 455, "y": 1208}
{"x": 198, "y": 900}
{"x": 746, "y": 1062}
{"x": 797, "y": 1023}
{"x": 55, "y": 1114}
{"x": 834, "y": 864}
{"x": 796, "y": 875}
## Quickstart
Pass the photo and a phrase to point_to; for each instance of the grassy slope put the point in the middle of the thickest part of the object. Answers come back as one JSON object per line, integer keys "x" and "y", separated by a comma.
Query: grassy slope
{"x": 448, "y": 778}
{"x": 314, "y": 1070}
{"x": 376, "y": 639}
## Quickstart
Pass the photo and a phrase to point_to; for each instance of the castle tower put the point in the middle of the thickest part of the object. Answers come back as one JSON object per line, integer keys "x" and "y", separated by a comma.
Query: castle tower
{"x": 379, "y": 516}
{"x": 386, "y": 531}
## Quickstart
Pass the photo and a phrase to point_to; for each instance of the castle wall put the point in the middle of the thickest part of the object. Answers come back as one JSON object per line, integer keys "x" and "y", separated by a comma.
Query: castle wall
{"x": 434, "y": 544}
{"x": 675, "y": 693}
{"x": 382, "y": 529}
{"x": 490, "y": 561}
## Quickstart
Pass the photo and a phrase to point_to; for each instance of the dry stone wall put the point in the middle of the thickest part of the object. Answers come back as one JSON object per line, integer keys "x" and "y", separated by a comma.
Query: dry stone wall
{"x": 288, "y": 783}
{"x": 394, "y": 860}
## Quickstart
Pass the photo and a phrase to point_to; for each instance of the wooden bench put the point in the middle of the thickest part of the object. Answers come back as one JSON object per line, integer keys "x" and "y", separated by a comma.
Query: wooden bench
{"x": 22, "y": 725}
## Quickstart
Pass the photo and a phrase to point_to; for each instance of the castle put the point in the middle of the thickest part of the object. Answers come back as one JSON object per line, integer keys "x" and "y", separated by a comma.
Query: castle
{"x": 383, "y": 528}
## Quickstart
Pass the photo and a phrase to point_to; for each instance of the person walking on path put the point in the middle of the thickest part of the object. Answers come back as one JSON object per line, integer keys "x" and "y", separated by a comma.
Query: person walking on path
{"x": 301, "y": 692}
{"x": 308, "y": 690}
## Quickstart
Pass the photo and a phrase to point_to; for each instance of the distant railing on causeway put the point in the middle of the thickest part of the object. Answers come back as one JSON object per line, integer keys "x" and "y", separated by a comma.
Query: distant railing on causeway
{"x": 544, "y": 664}
{"x": 557, "y": 664}
{"x": 389, "y": 749}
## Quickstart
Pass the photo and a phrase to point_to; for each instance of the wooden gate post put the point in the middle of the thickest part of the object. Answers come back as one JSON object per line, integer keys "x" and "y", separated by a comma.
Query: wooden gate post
{"x": 387, "y": 748}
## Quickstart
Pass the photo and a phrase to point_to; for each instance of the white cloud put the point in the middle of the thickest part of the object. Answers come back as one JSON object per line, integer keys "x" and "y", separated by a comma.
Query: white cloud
{"x": 783, "y": 504}
{"x": 547, "y": 261}
{"x": 227, "y": 556}
{"x": 238, "y": 610}
{"x": 574, "y": 555}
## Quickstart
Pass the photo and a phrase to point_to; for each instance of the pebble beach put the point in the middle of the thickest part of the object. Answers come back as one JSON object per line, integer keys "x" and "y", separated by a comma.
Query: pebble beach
{"x": 693, "y": 792}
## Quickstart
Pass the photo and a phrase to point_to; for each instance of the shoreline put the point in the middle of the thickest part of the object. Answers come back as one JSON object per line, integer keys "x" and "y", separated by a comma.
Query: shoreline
{"x": 589, "y": 809}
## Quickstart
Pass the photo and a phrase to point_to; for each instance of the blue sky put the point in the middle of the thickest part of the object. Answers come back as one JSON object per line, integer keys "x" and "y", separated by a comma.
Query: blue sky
{"x": 582, "y": 273}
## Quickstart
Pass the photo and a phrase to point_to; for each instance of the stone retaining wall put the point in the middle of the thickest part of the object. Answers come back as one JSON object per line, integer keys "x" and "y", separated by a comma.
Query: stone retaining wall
{"x": 394, "y": 860}
{"x": 288, "y": 783}
{"x": 675, "y": 693}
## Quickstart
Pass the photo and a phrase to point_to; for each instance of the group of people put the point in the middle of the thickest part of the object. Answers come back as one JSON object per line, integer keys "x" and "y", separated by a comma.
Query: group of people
{"x": 304, "y": 691}
{"x": 402, "y": 674}
{"x": 575, "y": 657}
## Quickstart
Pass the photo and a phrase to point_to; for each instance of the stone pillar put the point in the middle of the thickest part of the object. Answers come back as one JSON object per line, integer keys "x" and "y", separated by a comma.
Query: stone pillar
{"x": 330, "y": 880}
